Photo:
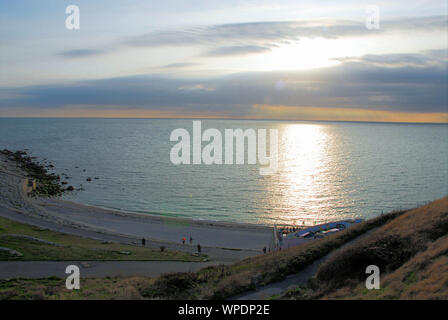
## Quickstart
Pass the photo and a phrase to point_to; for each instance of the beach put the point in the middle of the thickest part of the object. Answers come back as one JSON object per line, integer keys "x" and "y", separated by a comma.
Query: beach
{"x": 223, "y": 242}
{"x": 230, "y": 265}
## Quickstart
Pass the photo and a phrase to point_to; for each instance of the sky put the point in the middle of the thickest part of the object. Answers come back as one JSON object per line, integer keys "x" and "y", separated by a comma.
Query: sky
{"x": 294, "y": 60}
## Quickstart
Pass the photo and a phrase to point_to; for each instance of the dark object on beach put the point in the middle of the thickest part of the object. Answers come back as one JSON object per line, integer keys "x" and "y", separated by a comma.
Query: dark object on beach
{"x": 162, "y": 248}
{"x": 89, "y": 179}
{"x": 143, "y": 241}
{"x": 191, "y": 240}
{"x": 64, "y": 182}
{"x": 70, "y": 188}
{"x": 83, "y": 170}
{"x": 264, "y": 250}
{"x": 199, "y": 248}
{"x": 183, "y": 240}
{"x": 47, "y": 183}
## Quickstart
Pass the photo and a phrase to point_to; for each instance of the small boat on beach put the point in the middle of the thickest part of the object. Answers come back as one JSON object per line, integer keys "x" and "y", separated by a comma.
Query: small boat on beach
{"x": 297, "y": 237}
{"x": 323, "y": 229}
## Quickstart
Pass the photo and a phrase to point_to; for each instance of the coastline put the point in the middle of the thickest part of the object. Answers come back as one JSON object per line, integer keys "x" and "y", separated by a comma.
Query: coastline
{"x": 230, "y": 271}
{"x": 237, "y": 239}
{"x": 156, "y": 228}
{"x": 167, "y": 219}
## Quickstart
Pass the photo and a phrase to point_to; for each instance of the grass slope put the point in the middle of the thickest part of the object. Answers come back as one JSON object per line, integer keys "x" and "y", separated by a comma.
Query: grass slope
{"x": 65, "y": 247}
{"x": 216, "y": 282}
{"x": 410, "y": 248}
{"x": 411, "y": 252}
{"x": 221, "y": 282}
{"x": 54, "y": 289}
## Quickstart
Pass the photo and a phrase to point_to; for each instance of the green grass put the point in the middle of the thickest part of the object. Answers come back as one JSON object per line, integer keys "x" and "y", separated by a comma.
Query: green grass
{"x": 411, "y": 252}
{"x": 224, "y": 281}
{"x": 75, "y": 248}
{"x": 53, "y": 288}
{"x": 213, "y": 282}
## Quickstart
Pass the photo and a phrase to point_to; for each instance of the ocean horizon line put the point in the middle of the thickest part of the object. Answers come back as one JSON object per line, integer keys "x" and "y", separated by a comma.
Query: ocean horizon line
{"x": 234, "y": 119}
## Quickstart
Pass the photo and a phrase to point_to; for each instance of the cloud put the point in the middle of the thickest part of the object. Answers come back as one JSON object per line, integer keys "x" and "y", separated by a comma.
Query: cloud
{"x": 425, "y": 58}
{"x": 419, "y": 86}
{"x": 80, "y": 53}
{"x": 237, "y": 50}
{"x": 273, "y": 32}
{"x": 257, "y": 36}
{"x": 198, "y": 86}
{"x": 429, "y": 23}
{"x": 180, "y": 65}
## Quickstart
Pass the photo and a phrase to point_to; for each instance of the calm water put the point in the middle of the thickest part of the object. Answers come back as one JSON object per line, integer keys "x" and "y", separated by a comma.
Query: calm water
{"x": 327, "y": 170}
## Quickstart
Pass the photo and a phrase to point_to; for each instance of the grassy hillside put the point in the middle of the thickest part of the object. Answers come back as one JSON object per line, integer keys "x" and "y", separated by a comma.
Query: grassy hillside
{"x": 53, "y": 288}
{"x": 410, "y": 247}
{"x": 32, "y": 243}
{"x": 220, "y": 282}
{"x": 410, "y": 250}
{"x": 216, "y": 282}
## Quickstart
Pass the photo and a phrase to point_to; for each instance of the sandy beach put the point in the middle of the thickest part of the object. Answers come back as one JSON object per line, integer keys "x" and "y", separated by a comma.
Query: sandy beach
{"x": 223, "y": 242}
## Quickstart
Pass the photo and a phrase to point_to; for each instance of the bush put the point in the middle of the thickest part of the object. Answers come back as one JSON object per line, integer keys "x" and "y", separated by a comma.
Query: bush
{"x": 171, "y": 286}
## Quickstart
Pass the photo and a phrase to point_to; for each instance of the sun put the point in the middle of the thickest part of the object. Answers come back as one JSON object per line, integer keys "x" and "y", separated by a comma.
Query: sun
{"x": 307, "y": 53}
{"x": 304, "y": 54}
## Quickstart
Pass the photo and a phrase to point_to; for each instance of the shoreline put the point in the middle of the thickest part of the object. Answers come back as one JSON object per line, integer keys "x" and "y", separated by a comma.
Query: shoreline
{"x": 242, "y": 238}
{"x": 222, "y": 276}
{"x": 155, "y": 228}
{"x": 181, "y": 220}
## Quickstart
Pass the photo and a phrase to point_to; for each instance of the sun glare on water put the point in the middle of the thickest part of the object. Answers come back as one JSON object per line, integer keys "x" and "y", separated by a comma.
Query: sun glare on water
{"x": 303, "y": 179}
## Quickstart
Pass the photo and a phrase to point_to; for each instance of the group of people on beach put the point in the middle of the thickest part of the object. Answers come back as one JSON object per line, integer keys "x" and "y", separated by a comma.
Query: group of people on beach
{"x": 185, "y": 239}
{"x": 183, "y": 242}
{"x": 289, "y": 229}
{"x": 191, "y": 242}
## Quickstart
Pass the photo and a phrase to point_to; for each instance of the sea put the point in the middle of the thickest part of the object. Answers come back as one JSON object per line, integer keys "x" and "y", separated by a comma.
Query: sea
{"x": 327, "y": 171}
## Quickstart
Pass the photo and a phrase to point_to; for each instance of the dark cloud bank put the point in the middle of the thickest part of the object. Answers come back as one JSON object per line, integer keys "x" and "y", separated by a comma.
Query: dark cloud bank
{"x": 413, "y": 83}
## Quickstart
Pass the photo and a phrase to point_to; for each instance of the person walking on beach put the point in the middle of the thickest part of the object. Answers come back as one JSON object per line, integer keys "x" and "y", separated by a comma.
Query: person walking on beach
{"x": 264, "y": 250}
{"x": 199, "y": 248}
{"x": 191, "y": 240}
{"x": 183, "y": 240}
{"x": 143, "y": 241}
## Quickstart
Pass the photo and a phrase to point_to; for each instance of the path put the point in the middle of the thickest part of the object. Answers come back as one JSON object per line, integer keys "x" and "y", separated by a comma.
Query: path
{"x": 101, "y": 269}
{"x": 294, "y": 280}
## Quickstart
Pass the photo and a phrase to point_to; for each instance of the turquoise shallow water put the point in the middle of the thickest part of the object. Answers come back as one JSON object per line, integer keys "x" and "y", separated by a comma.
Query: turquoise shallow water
{"x": 327, "y": 170}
